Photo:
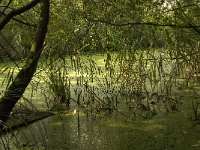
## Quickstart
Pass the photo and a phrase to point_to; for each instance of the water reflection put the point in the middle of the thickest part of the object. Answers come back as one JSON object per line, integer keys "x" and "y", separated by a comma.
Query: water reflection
{"x": 63, "y": 132}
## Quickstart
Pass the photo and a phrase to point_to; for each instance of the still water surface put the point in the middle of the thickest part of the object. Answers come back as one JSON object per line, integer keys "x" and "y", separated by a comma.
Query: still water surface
{"x": 64, "y": 131}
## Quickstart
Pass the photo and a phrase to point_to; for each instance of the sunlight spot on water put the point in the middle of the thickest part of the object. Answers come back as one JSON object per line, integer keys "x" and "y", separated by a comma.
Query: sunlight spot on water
{"x": 74, "y": 112}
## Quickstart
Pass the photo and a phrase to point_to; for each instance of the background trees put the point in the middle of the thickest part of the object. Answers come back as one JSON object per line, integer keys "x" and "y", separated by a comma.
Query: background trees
{"x": 92, "y": 25}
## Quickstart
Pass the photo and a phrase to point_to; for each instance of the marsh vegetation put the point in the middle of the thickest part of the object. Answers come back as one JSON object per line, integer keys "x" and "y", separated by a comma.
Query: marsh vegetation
{"x": 103, "y": 78}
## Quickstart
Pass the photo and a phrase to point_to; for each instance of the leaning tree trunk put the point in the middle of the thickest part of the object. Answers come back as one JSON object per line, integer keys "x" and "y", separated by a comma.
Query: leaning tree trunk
{"x": 23, "y": 78}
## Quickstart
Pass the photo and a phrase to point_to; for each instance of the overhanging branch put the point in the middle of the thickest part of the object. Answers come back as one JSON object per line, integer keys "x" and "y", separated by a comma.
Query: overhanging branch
{"x": 142, "y": 23}
{"x": 10, "y": 1}
{"x": 17, "y": 12}
{"x": 22, "y": 22}
{"x": 188, "y": 19}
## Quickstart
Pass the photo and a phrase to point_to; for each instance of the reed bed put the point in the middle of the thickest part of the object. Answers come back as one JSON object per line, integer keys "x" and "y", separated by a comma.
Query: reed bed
{"x": 144, "y": 83}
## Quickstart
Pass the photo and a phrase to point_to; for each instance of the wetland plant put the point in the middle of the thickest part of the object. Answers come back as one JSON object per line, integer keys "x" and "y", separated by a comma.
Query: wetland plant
{"x": 196, "y": 109}
{"x": 145, "y": 81}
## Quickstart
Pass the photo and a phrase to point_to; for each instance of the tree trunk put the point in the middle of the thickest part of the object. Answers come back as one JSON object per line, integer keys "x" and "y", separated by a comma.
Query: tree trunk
{"x": 23, "y": 78}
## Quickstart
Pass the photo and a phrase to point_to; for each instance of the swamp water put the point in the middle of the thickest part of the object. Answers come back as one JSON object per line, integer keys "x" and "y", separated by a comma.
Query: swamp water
{"x": 117, "y": 131}
{"x": 170, "y": 131}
